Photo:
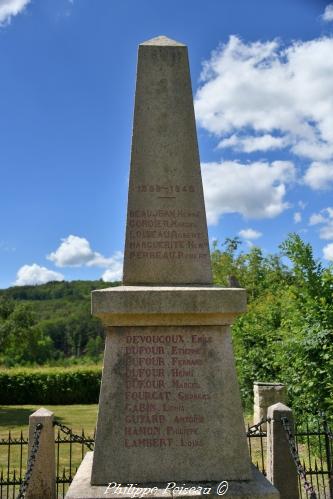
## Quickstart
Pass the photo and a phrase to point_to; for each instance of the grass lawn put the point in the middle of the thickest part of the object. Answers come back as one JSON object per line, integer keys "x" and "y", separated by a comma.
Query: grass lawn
{"x": 77, "y": 417}
{"x": 16, "y": 417}
{"x": 68, "y": 456}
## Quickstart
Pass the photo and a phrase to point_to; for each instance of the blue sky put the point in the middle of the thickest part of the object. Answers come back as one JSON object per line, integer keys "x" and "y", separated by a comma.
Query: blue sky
{"x": 262, "y": 77}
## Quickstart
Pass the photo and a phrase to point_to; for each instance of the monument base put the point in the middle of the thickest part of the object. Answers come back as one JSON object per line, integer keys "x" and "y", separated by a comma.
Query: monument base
{"x": 257, "y": 488}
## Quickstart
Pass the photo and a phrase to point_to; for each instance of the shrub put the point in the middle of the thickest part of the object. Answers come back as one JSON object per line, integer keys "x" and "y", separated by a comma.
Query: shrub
{"x": 50, "y": 385}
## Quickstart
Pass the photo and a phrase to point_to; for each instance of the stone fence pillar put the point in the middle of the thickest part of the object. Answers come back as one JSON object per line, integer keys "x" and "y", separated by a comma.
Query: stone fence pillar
{"x": 266, "y": 394}
{"x": 281, "y": 469}
{"x": 42, "y": 481}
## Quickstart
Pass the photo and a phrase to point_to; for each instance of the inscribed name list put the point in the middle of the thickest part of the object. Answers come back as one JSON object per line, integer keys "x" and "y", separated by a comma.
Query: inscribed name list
{"x": 165, "y": 391}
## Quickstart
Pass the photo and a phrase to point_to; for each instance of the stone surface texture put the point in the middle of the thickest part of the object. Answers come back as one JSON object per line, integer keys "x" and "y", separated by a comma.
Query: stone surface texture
{"x": 42, "y": 482}
{"x": 166, "y": 232}
{"x": 258, "y": 487}
{"x": 144, "y": 305}
{"x": 281, "y": 469}
{"x": 171, "y": 407}
{"x": 265, "y": 395}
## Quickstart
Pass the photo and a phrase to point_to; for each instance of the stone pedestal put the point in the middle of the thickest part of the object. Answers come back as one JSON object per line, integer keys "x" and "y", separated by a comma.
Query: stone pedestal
{"x": 257, "y": 487}
{"x": 169, "y": 406}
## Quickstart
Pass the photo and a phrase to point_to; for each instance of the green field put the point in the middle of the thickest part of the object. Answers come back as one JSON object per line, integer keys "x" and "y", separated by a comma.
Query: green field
{"x": 16, "y": 417}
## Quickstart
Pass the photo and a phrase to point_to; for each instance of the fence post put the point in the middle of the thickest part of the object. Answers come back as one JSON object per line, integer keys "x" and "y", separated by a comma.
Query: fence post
{"x": 266, "y": 394}
{"x": 281, "y": 469}
{"x": 42, "y": 481}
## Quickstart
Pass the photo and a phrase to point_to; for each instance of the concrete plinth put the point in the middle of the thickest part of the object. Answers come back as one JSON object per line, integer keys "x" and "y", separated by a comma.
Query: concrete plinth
{"x": 258, "y": 487}
{"x": 168, "y": 305}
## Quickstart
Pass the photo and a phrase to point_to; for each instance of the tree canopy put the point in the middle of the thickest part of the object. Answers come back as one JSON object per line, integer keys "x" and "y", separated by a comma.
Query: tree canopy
{"x": 287, "y": 334}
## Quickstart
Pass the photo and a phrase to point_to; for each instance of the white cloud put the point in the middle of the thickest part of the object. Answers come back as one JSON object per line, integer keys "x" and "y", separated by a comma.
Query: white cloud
{"x": 76, "y": 251}
{"x": 255, "y": 190}
{"x": 34, "y": 274}
{"x": 9, "y": 8}
{"x": 115, "y": 270}
{"x": 260, "y": 96}
{"x": 99, "y": 260}
{"x": 319, "y": 175}
{"x": 297, "y": 217}
{"x": 250, "y": 144}
{"x": 326, "y": 232}
{"x": 328, "y": 252}
{"x": 324, "y": 218}
{"x": 249, "y": 234}
{"x": 328, "y": 13}
{"x": 316, "y": 218}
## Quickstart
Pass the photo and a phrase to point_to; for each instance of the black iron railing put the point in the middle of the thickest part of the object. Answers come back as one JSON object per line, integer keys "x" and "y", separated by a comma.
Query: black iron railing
{"x": 14, "y": 454}
{"x": 314, "y": 444}
{"x": 69, "y": 454}
{"x": 13, "y": 459}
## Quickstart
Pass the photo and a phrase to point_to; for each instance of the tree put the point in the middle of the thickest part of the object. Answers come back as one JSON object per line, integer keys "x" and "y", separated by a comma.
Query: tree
{"x": 22, "y": 340}
{"x": 287, "y": 333}
{"x": 308, "y": 330}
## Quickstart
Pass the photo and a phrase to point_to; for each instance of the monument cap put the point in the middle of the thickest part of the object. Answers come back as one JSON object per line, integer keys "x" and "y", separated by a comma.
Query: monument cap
{"x": 163, "y": 41}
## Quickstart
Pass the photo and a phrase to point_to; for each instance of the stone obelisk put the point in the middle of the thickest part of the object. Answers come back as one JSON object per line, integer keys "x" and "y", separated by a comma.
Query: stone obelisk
{"x": 169, "y": 408}
{"x": 166, "y": 234}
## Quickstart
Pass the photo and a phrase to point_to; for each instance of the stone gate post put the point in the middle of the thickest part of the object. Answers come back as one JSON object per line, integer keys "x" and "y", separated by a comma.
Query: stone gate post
{"x": 42, "y": 481}
{"x": 266, "y": 394}
{"x": 281, "y": 469}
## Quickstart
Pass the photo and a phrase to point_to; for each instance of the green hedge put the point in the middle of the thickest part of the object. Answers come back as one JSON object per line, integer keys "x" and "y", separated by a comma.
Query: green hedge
{"x": 50, "y": 385}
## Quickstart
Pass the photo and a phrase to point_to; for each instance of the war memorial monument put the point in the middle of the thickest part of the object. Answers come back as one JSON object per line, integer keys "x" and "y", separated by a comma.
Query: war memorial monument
{"x": 170, "y": 419}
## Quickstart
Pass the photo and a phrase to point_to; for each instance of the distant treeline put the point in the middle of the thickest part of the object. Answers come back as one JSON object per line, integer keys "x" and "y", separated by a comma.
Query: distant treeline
{"x": 50, "y": 323}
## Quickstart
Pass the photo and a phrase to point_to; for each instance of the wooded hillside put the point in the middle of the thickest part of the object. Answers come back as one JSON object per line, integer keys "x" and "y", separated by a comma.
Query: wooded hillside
{"x": 49, "y": 323}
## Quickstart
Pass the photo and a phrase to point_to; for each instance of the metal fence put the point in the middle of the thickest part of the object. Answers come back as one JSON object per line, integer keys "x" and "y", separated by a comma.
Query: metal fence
{"x": 69, "y": 454}
{"x": 314, "y": 444}
{"x": 315, "y": 447}
{"x": 13, "y": 460}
